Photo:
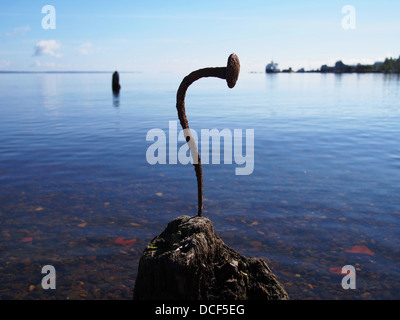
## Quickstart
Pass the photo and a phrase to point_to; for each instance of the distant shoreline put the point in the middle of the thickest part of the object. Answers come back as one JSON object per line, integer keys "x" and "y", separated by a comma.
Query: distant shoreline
{"x": 389, "y": 66}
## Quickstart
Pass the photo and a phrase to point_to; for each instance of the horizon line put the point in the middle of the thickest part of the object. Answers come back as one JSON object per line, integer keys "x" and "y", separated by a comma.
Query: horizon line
{"x": 60, "y": 71}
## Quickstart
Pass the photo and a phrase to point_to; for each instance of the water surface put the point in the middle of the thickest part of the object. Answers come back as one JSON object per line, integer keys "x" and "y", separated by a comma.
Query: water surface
{"x": 77, "y": 192}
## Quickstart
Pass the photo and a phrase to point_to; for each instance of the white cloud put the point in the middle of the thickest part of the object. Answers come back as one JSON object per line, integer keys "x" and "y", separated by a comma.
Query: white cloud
{"x": 19, "y": 31}
{"x": 47, "y": 47}
{"x": 85, "y": 49}
{"x": 4, "y": 64}
{"x": 44, "y": 64}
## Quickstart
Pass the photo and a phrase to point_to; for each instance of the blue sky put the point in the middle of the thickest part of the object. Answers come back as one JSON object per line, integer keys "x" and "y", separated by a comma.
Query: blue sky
{"x": 169, "y": 36}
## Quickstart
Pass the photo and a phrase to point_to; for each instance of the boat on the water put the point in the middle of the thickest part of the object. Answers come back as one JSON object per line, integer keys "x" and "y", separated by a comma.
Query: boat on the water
{"x": 272, "y": 68}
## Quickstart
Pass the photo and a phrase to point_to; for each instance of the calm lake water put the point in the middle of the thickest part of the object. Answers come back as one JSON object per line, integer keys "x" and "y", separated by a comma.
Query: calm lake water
{"x": 76, "y": 191}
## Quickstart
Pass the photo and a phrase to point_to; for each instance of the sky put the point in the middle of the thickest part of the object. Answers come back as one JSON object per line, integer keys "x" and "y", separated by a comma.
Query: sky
{"x": 181, "y": 36}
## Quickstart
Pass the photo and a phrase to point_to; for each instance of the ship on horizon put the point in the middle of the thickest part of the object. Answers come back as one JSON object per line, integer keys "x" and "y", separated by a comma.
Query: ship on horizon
{"x": 272, "y": 68}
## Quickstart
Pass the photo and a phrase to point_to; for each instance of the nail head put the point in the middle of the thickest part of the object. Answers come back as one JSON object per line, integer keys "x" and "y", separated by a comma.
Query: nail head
{"x": 232, "y": 70}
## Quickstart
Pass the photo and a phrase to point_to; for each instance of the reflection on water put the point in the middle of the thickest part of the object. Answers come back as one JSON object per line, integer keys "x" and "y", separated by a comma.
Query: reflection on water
{"x": 76, "y": 191}
{"x": 116, "y": 100}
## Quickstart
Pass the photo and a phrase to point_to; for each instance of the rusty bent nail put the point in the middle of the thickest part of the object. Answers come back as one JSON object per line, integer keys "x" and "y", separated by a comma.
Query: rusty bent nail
{"x": 230, "y": 73}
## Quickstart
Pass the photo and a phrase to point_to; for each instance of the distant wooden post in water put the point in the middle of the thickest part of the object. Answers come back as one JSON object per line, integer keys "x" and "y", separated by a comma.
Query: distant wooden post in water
{"x": 115, "y": 83}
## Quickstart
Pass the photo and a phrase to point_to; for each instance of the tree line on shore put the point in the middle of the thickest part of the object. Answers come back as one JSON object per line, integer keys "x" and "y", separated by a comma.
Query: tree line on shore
{"x": 390, "y": 65}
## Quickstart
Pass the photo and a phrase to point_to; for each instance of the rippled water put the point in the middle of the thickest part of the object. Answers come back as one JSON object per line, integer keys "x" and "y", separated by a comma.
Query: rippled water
{"x": 76, "y": 191}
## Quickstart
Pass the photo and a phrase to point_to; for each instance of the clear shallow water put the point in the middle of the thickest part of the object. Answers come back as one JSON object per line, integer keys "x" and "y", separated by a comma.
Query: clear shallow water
{"x": 77, "y": 192}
